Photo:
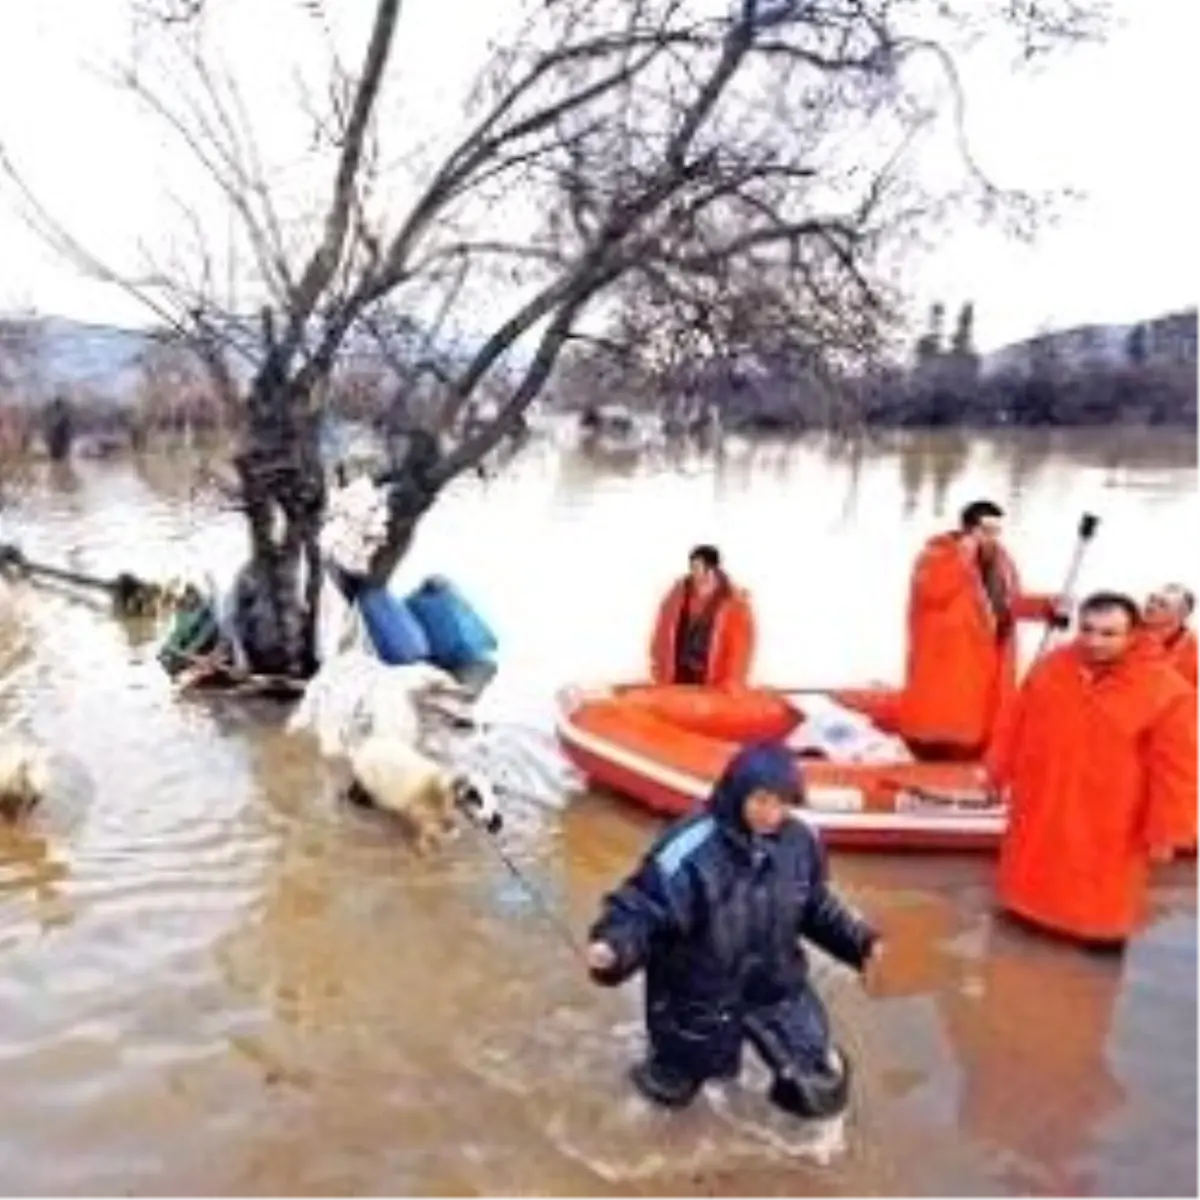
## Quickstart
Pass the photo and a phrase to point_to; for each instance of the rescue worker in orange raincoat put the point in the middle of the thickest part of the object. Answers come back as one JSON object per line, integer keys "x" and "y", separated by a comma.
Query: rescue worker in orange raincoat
{"x": 965, "y": 599}
{"x": 1166, "y": 616}
{"x": 704, "y": 633}
{"x": 1096, "y": 756}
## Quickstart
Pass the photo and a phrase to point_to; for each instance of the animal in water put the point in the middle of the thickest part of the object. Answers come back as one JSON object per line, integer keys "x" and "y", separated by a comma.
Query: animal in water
{"x": 24, "y": 776}
{"x": 373, "y": 717}
{"x": 426, "y": 796}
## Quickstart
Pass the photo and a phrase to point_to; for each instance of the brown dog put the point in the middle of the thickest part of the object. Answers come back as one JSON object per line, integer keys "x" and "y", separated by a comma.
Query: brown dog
{"x": 24, "y": 777}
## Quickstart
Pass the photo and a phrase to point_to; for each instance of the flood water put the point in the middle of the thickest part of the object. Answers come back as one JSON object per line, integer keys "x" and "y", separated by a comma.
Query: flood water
{"x": 215, "y": 980}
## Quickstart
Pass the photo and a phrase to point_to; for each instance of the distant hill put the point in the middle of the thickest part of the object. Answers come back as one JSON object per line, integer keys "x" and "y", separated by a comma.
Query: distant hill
{"x": 99, "y": 355}
{"x": 103, "y": 359}
{"x": 1169, "y": 338}
{"x": 72, "y": 354}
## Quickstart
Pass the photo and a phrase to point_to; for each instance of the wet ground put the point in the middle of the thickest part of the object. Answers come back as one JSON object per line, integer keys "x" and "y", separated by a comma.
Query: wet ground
{"x": 214, "y": 979}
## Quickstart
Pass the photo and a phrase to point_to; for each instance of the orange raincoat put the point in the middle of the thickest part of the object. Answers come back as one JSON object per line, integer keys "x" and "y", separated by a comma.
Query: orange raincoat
{"x": 1181, "y": 654}
{"x": 1100, "y": 769}
{"x": 730, "y": 642}
{"x": 960, "y": 671}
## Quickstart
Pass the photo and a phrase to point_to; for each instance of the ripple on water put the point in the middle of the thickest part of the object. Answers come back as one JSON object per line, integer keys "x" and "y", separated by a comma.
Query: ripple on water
{"x": 568, "y": 1070}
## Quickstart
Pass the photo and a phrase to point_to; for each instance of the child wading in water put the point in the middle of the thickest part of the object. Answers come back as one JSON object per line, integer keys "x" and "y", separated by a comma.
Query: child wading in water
{"x": 714, "y": 916}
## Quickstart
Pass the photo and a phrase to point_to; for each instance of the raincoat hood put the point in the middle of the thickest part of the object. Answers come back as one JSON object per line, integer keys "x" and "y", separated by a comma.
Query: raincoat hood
{"x": 763, "y": 765}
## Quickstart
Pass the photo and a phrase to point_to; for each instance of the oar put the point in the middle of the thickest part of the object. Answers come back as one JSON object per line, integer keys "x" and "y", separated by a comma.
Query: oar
{"x": 1088, "y": 524}
{"x": 130, "y": 596}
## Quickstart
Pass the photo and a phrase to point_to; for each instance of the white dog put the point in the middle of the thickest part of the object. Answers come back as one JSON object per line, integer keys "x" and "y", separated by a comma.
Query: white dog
{"x": 370, "y": 716}
{"x": 426, "y": 796}
{"x": 24, "y": 776}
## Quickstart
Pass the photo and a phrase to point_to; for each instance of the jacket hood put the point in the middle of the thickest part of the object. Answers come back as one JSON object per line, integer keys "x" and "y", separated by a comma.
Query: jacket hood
{"x": 767, "y": 765}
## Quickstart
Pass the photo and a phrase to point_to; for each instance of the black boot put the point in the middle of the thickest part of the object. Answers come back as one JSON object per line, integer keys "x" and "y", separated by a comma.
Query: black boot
{"x": 814, "y": 1095}
{"x": 662, "y": 1085}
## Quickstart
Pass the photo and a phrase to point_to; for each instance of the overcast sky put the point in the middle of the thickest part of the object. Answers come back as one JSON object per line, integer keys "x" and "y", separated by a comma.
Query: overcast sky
{"x": 1109, "y": 120}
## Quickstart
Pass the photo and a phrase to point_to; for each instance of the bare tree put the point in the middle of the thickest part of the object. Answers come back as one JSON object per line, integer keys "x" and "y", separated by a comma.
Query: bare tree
{"x": 667, "y": 178}
{"x": 22, "y": 381}
{"x": 173, "y": 391}
{"x": 21, "y": 359}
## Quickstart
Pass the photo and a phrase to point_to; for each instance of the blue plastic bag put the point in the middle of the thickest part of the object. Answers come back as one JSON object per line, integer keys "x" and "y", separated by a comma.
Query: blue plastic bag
{"x": 456, "y": 634}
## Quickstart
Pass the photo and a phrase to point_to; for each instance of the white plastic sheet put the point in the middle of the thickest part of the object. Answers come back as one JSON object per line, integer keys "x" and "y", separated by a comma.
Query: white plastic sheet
{"x": 355, "y": 525}
{"x": 842, "y": 735}
{"x": 354, "y": 696}
{"x": 340, "y": 626}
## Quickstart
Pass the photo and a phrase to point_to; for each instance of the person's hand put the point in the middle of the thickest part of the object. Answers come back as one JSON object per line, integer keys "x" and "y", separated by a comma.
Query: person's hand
{"x": 1061, "y": 608}
{"x": 1161, "y": 854}
{"x": 600, "y": 957}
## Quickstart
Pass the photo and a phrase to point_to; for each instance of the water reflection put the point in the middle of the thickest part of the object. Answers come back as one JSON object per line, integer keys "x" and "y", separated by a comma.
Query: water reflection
{"x": 63, "y": 478}
{"x": 934, "y": 462}
{"x": 30, "y": 872}
{"x": 999, "y": 1039}
{"x": 175, "y": 477}
{"x": 1010, "y": 1032}
{"x": 1025, "y": 471}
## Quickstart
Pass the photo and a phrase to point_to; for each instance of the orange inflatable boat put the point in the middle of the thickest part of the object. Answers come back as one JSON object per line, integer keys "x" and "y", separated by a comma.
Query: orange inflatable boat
{"x": 664, "y": 747}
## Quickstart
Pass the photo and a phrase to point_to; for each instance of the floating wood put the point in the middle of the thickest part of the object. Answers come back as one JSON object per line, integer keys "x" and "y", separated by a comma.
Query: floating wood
{"x": 224, "y": 682}
{"x": 130, "y": 596}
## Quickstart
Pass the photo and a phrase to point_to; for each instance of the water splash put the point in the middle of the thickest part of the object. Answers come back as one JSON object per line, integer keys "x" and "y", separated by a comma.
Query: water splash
{"x": 569, "y": 1072}
{"x": 522, "y": 763}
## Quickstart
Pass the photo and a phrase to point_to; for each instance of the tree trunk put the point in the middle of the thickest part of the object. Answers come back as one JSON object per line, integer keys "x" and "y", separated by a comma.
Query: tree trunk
{"x": 277, "y": 592}
{"x": 283, "y": 492}
{"x": 412, "y": 489}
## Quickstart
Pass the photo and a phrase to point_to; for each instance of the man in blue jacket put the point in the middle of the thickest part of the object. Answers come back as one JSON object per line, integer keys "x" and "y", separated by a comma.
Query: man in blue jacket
{"x": 714, "y": 915}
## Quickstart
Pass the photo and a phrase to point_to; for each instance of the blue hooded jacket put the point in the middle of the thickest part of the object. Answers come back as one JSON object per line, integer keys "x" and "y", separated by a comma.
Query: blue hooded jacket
{"x": 714, "y": 915}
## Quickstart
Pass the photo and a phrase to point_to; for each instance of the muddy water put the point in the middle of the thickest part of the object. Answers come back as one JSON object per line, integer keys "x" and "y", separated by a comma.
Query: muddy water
{"x": 214, "y": 980}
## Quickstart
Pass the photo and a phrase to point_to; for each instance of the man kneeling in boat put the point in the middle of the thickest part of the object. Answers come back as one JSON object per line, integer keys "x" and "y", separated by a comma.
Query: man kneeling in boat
{"x": 1097, "y": 755}
{"x": 704, "y": 633}
{"x": 713, "y": 915}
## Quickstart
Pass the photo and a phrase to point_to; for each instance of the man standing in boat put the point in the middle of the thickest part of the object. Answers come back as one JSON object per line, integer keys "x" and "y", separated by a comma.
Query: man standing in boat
{"x": 965, "y": 600}
{"x": 1097, "y": 759}
{"x": 704, "y": 633}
